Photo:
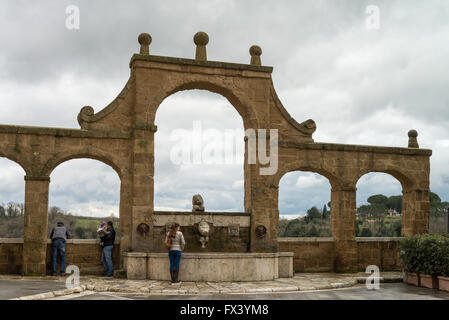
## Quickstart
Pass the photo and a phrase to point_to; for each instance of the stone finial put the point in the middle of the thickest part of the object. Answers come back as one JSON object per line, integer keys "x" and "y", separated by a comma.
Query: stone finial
{"x": 255, "y": 52}
{"x": 201, "y": 39}
{"x": 412, "y": 141}
{"x": 144, "y": 40}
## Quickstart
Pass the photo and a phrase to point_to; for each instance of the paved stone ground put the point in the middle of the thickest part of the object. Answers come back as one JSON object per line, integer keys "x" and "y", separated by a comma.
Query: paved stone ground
{"x": 301, "y": 282}
{"x": 50, "y": 287}
{"x": 13, "y": 288}
{"x": 387, "y": 291}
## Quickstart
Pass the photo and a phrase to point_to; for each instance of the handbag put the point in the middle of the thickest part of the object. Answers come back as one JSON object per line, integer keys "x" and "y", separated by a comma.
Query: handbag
{"x": 168, "y": 243}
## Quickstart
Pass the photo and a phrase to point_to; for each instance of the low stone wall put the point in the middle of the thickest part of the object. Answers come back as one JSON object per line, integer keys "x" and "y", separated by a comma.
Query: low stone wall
{"x": 382, "y": 252}
{"x": 11, "y": 256}
{"x": 84, "y": 253}
{"x": 211, "y": 266}
{"x": 317, "y": 254}
{"x": 310, "y": 254}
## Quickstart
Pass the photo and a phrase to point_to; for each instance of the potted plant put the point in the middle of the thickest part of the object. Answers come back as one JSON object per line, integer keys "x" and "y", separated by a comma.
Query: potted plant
{"x": 425, "y": 260}
{"x": 408, "y": 255}
{"x": 443, "y": 278}
{"x": 429, "y": 259}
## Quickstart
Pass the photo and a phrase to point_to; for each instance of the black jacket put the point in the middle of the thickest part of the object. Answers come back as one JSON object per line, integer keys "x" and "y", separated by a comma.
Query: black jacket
{"x": 108, "y": 240}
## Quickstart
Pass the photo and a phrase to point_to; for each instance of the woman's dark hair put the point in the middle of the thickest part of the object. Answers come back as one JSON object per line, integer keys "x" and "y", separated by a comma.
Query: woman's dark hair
{"x": 173, "y": 229}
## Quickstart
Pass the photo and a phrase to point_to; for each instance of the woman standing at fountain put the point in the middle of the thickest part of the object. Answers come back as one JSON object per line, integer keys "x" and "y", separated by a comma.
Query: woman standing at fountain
{"x": 174, "y": 241}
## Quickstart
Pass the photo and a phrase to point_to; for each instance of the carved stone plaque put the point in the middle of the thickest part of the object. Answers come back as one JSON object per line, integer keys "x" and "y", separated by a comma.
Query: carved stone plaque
{"x": 143, "y": 229}
{"x": 261, "y": 231}
{"x": 234, "y": 230}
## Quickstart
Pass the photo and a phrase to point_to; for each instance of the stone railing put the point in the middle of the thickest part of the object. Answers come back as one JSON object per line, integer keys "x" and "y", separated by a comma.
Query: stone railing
{"x": 317, "y": 254}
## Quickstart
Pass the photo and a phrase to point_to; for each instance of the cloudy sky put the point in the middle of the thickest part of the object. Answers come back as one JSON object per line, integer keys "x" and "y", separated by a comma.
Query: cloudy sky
{"x": 360, "y": 85}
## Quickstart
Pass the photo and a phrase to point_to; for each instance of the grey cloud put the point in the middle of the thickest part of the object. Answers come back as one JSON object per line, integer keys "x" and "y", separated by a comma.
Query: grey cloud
{"x": 360, "y": 86}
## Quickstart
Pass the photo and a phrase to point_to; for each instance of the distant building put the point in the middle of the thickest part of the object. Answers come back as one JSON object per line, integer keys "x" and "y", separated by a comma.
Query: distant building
{"x": 393, "y": 213}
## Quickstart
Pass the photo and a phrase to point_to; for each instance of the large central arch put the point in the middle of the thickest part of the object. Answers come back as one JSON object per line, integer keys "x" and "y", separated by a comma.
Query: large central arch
{"x": 185, "y": 120}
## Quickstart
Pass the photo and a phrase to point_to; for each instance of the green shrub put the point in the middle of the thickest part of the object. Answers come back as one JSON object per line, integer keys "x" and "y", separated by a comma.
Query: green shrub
{"x": 426, "y": 253}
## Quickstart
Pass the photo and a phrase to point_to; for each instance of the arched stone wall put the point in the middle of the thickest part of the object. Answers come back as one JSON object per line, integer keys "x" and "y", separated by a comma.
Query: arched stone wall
{"x": 122, "y": 136}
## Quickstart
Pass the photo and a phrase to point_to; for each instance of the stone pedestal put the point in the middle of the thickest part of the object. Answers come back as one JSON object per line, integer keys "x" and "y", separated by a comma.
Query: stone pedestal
{"x": 136, "y": 265}
{"x": 286, "y": 265}
{"x": 213, "y": 267}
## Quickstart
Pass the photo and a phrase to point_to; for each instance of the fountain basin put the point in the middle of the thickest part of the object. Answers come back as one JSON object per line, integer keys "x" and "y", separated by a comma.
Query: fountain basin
{"x": 212, "y": 266}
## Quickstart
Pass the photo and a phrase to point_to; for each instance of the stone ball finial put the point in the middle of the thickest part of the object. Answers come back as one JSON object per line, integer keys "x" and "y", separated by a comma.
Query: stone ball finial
{"x": 144, "y": 41}
{"x": 255, "y": 52}
{"x": 201, "y": 39}
{"x": 412, "y": 133}
{"x": 412, "y": 139}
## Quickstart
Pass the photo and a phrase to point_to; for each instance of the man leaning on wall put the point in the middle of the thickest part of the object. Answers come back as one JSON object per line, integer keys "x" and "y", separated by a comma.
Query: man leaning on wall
{"x": 58, "y": 236}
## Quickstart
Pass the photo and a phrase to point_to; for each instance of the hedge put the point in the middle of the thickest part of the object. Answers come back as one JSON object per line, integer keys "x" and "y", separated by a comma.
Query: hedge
{"x": 426, "y": 254}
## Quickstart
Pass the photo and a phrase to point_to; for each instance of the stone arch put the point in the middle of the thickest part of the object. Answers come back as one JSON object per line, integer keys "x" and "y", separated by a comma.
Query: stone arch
{"x": 188, "y": 182}
{"x": 248, "y": 114}
{"x": 334, "y": 181}
{"x": 16, "y": 160}
{"x": 327, "y": 186}
{"x": 67, "y": 156}
{"x": 406, "y": 183}
{"x": 408, "y": 210}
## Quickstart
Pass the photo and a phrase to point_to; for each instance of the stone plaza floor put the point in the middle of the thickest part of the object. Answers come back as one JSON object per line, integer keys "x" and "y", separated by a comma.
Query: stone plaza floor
{"x": 38, "y": 288}
{"x": 387, "y": 291}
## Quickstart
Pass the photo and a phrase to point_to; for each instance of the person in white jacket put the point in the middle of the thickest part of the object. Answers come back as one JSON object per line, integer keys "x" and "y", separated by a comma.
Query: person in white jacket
{"x": 175, "y": 241}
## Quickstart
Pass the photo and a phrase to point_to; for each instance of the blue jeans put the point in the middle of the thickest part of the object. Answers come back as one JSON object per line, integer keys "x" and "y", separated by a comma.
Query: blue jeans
{"x": 58, "y": 249}
{"x": 106, "y": 258}
{"x": 175, "y": 259}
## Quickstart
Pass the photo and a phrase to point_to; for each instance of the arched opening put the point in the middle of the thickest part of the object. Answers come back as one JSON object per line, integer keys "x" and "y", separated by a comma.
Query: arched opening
{"x": 304, "y": 205}
{"x": 198, "y": 151}
{"x": 84, "y": 192}
{"x": 12, "y": 199}
{"x": 379, "y": 206}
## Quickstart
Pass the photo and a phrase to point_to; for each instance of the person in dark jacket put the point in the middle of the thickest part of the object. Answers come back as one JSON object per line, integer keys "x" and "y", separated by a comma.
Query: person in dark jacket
{"x": 107, "y": 242}
{"x": 58, "y": 236}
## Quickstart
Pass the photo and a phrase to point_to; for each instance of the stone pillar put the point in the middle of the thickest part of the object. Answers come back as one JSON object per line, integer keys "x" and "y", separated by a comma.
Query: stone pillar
{"x": 125, "y": 216}
{"x": 143, "y": 185}
{"x": 343, "y": 219}
{"x": 415, "y": 212}
{"x": 35, "y": 225}
{"x": 264, "y": 215}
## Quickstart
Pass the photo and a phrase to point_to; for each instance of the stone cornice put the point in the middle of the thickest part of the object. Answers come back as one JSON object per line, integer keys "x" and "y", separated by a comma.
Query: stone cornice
{"x": 63, "y": 132}
{"x": 204, "y": 213}
{"x": 354, "y": 148}
{"x": 145, "y": 126}
{"x": 201, "y": 63}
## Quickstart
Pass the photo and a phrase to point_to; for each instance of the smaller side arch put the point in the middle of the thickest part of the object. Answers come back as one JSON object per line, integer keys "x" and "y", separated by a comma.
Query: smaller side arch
{"x": 67, "y": 156}
{"x": 406, "y": 182}
{"x": 17, "y": 161}
{"x": 334, "y": 181}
